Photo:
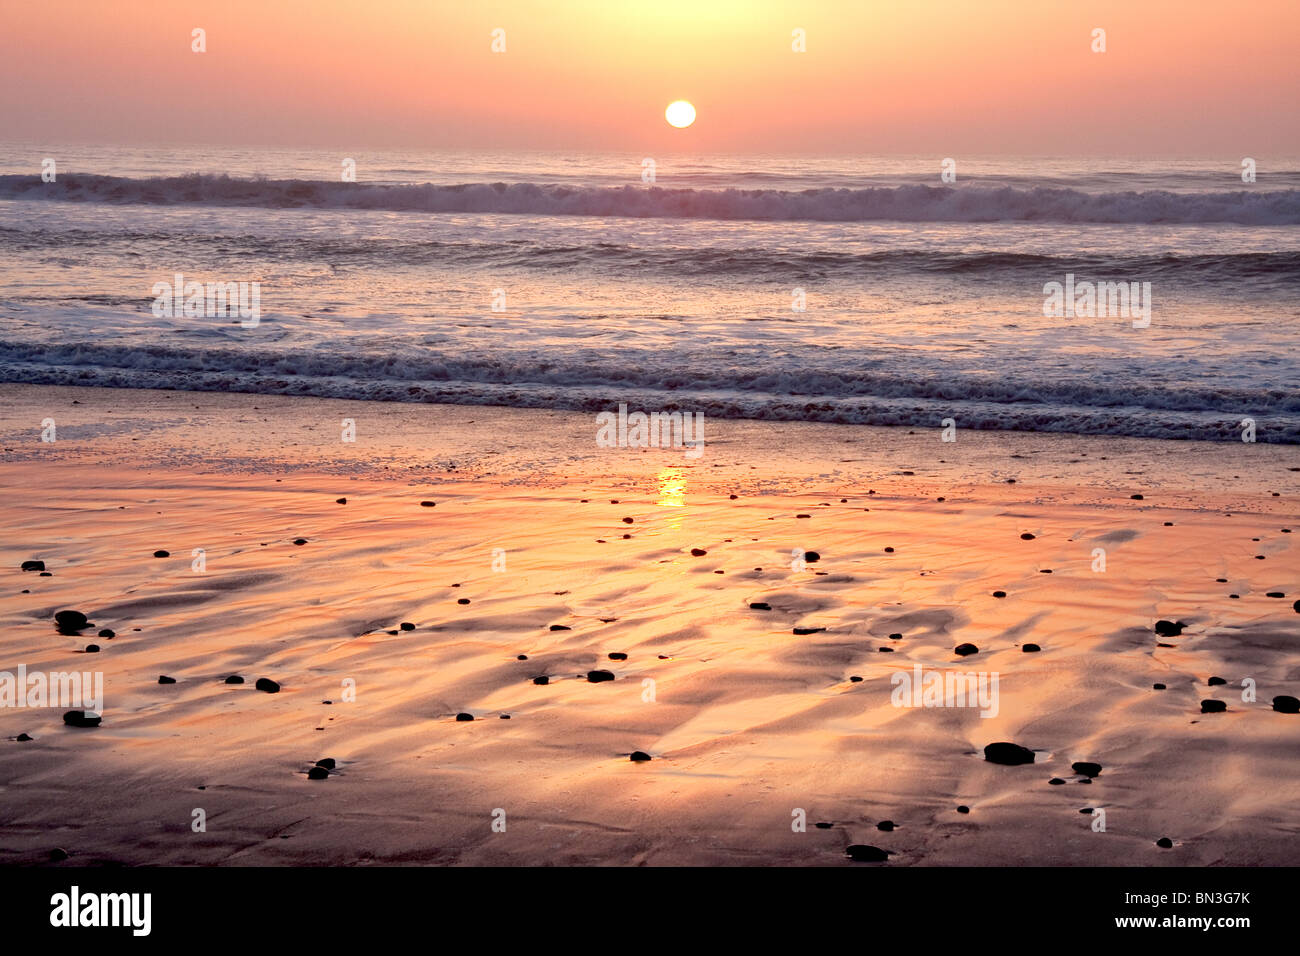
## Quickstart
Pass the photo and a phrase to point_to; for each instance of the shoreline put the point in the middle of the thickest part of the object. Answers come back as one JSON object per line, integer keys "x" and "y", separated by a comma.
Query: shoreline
{"x": 418, "y": 442}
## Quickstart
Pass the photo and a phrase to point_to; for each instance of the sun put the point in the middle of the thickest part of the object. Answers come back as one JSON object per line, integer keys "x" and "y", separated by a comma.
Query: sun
{"x": 680, "y": 114}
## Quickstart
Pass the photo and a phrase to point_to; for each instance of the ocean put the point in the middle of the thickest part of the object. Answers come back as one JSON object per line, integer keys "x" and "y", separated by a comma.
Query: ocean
{"x": 848, "y": 289}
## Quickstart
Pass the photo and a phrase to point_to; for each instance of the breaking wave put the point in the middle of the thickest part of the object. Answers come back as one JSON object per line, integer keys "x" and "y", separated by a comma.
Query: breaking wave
{"x": 916, "y": 203}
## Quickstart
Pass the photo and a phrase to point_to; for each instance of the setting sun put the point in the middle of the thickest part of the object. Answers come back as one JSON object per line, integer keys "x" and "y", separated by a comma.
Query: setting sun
{"x": 680, "y": 114}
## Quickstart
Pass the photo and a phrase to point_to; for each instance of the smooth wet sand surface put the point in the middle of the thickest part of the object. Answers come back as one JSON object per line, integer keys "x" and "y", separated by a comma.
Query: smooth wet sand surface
{"x": 745, "y": 721}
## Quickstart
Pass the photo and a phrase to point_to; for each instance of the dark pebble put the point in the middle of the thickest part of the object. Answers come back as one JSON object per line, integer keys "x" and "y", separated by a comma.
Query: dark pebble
{"x": 1169, "y": 628}
{"x": 299, "y": 540}
{"x": 1086, "y": 768}
{"x": 560, "y": 627}
{"x": 889, "y": 551}
{"x": 1008, "y": 754}
{"x": 963, "y": 809}
{"x": 58, "y": 855}
{"x": 71, "y": 620}
{"x": 82, "y": 718}
{"x": 108, "y": 632}
{"x": 464, "y": 717}
{"x": 886, "y": 825}
{"x": 1056, "y": 781}
{"x": 1215, "y": 681}
{"x": 23, "y": 738}
{"x": 541, "y": 681}
{"x": 964, "y": 650}
{"x": 617, "y": 656}
{"x": 33, "y": 565}
{"x": 522, "y": 657}
{"x": 1213, "y": 706}
{"x": 1136, "y": 497}
{"x": 999, "y": 594}
{"x": 627, "y": 520}
{"x": 855, "y": 679}
{"x": 823, "y": 826}
{"x": 861, "y": 853}
{"x": 268, "y": 685}
{"x": 317, "y": 773}
{"x": 92, "y": 648}
{"x": 234, "y": 679}
{"x": 811, "y": 556}
{"x": 340, "y": 501}
{"x": 462, "y": 600}
{"x": 426, "y": 504}
{"x": 760, "y": 606}
{"x": 1286, "y": 704}
{"x": 1275, "y": 594}
{"x": 164, "y": 679}
{"x": 1165, "y": 843}
{"x": 162, "y": 554}
{"x": 597, "y": 677}
{"x": 698, "y": 552}
{"x": 407, "y": 626}
{"x": 885, "y": 650}
{"x": 639, "y": 756}
{"x": 1026, "y": 537}
{"x": 327, "y": 762}
{"x": 808, "y": 630}
{"x": 1031, "y": 648}
{"x": 1157, "y": 686}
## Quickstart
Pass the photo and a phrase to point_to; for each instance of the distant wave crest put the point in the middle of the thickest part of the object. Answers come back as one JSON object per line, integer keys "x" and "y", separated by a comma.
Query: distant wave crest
{"x": 898, "y": 203}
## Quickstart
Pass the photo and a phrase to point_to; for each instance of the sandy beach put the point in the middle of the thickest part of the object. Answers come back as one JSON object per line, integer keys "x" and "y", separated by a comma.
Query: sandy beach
{"x": 757, "y": 677}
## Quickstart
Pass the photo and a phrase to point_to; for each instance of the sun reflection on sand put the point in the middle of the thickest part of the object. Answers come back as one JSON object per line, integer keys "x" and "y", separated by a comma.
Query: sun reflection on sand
{"x": 672, "y": 488}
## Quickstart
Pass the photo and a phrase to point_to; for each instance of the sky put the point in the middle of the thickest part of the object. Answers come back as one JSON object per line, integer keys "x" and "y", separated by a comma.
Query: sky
{"x": 951, "y": 77}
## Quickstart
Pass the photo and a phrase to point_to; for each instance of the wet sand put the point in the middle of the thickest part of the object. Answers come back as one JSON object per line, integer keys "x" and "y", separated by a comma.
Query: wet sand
{"x": 526, "y": 552}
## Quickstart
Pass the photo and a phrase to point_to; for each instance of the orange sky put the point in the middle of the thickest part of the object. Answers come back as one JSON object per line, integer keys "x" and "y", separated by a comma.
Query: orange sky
{"x": 947, "y": 76}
